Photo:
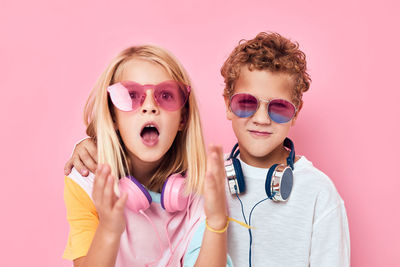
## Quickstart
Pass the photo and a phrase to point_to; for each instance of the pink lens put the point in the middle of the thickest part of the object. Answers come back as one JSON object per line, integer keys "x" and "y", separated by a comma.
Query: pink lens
{"x": 243, "y": 105}
{"x": 120, "y": 96}
{"x": 280, "y": 110}
{"x": 129, "y": 96}
{"x": 170, "y": 95}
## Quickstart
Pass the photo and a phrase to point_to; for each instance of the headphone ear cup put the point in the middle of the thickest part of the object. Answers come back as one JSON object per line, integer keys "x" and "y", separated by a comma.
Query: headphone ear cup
{"x": 269, "y": 179}
{"x": 286, "y": 183}
{"x": 172, "y": 195}
{"x": 239, "y": 175}
{"x": 139, "y": 198}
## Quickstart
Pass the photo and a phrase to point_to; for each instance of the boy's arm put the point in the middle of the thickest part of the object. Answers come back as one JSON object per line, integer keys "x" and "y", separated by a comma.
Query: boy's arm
{"x": 83, "y": 158}
{"x": 330, "y": 239}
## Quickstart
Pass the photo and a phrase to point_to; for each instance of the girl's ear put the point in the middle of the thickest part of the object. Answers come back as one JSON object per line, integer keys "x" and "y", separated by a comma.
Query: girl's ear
{"x": 184, "y": 114}
{"x": 114, "y": 118}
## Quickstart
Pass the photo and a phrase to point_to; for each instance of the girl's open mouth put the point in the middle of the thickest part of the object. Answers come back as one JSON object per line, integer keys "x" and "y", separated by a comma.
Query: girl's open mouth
{"x": 150, "y": 134}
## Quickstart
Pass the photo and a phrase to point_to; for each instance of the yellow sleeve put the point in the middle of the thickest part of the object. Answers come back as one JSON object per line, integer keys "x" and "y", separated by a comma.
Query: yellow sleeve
{"x": 82, "y": 218}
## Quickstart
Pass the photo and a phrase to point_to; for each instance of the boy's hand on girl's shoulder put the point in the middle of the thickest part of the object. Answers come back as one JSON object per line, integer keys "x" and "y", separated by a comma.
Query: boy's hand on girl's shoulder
{"x": 109, "y": 207}
{"x": 214, "y": 189}
{"x": 84, "y": 157}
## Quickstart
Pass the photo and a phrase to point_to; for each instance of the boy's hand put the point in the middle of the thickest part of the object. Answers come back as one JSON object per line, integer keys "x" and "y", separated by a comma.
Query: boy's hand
{"x": 108, "y": 206}
{"x": 214, "y": 189}
{"x": 83, "y": 158}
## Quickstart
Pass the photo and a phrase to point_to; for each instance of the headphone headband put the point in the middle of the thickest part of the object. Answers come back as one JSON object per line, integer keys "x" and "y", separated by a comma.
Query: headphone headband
{"x": 233, "y": 154}
{"x": 290, "y": 160}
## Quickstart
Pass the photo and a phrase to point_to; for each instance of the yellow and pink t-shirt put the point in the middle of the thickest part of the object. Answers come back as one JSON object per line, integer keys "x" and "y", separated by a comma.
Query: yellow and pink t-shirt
{"x": 139, "y": 244}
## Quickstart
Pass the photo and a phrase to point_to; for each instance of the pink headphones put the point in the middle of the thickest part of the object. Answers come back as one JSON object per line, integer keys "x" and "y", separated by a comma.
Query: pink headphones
{"x": 139, "y": 199}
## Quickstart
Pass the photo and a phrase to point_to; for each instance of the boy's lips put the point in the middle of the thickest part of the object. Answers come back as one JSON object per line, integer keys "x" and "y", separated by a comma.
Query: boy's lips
{"x": 258, "y": 133}
{"x": 149, "y": 134}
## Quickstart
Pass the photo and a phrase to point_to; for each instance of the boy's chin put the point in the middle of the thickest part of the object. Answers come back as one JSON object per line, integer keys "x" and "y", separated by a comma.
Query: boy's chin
{"x": 259, "y": 154}
{"x": 258, "y": 150}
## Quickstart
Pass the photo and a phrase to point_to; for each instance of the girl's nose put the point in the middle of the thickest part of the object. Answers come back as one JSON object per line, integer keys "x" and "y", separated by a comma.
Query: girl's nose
{"x": 149, "y": 105}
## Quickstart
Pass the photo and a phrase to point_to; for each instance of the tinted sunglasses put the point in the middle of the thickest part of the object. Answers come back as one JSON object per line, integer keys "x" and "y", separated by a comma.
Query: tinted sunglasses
{"x": 129, "y": 96}
{"x": 245, "y": 105}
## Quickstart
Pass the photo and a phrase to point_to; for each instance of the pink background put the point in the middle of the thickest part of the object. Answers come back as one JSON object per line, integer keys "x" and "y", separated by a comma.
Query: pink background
{"x": 52, "y": 53}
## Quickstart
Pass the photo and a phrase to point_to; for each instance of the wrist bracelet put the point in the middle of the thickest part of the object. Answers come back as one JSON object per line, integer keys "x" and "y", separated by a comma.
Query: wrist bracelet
{"x": 226, "y": 226}
{"x": 218, "y": 231}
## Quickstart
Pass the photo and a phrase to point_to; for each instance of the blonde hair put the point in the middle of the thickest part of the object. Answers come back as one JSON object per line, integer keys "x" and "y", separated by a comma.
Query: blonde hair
{"x": 187, "y": 153}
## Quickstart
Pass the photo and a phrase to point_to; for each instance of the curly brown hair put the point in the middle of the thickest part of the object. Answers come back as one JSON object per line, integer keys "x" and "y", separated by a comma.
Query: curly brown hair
{"x": 272, "y": 52}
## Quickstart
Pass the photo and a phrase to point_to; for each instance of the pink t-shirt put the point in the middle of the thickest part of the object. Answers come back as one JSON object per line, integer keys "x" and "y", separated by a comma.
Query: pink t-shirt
{"x": 139, "y": 245}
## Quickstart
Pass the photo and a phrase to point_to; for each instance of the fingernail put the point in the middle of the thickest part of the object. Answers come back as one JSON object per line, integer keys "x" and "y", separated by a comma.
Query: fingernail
{"x": 84, "y": 172}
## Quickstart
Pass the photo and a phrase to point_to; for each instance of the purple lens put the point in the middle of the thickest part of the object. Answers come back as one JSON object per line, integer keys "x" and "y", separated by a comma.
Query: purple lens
{"x": 243, "y": 105}
{"x": 170, "y": 95}
{"x": 281, "y": 111}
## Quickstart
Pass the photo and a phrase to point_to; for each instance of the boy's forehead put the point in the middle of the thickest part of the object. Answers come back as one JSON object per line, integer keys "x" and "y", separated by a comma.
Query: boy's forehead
{"x": 264, "y": 83}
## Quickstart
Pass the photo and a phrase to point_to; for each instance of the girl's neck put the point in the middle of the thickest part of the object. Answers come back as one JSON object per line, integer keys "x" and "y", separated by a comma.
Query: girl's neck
{"x": 141, "y": 170}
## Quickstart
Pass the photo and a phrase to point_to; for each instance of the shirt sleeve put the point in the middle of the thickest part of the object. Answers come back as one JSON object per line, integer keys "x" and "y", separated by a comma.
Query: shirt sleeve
{"x": 194, "y": 248}
{"x": 330, "y": 245}
{"x": 82, "y": 218}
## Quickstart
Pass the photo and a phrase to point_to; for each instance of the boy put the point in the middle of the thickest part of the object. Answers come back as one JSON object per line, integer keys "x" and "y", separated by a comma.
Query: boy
{"x": 264, "y": 81}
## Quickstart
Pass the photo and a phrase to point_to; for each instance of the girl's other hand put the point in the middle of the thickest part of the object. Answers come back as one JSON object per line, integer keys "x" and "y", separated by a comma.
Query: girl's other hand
{"x": 83, "y": 158}
{"x": 214, "y": 189}
{"x": 108, "y": 206}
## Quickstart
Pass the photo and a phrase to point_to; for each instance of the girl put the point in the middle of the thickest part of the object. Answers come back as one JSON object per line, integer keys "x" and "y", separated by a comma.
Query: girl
{"x": 138, "y": 209}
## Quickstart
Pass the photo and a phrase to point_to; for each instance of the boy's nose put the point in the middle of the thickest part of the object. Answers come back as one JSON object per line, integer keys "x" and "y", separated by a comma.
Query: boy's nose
{"x": 149, "y": 105}
{"x": 261, "y": 116}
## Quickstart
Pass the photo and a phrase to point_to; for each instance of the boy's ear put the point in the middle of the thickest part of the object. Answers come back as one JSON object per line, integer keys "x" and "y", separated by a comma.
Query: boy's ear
{"x": 297, "y": 113}
{"x": 229, "y": 114}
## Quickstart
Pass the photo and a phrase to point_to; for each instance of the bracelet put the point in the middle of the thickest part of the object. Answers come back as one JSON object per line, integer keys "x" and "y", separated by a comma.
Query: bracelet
{"x": 226, "y": 226}
{"x": 218, "y": 231}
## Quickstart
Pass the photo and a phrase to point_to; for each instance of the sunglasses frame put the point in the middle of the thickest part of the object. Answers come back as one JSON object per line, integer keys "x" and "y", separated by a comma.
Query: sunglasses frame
{"x": 147, "y": 87}
{"x": 258, "y": 106}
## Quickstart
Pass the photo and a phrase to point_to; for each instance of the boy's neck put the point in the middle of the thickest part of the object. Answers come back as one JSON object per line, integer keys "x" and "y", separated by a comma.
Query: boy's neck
{"x": 276, "y": 156}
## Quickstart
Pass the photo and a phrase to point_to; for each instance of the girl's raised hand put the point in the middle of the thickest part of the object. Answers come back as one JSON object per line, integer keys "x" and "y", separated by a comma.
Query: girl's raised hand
{"x": 109, "y": 207}
{"x": 214, "y": 189}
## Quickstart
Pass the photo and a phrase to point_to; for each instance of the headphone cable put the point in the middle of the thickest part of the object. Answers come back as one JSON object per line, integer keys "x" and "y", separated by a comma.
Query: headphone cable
{"x": 244, "y": 217}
